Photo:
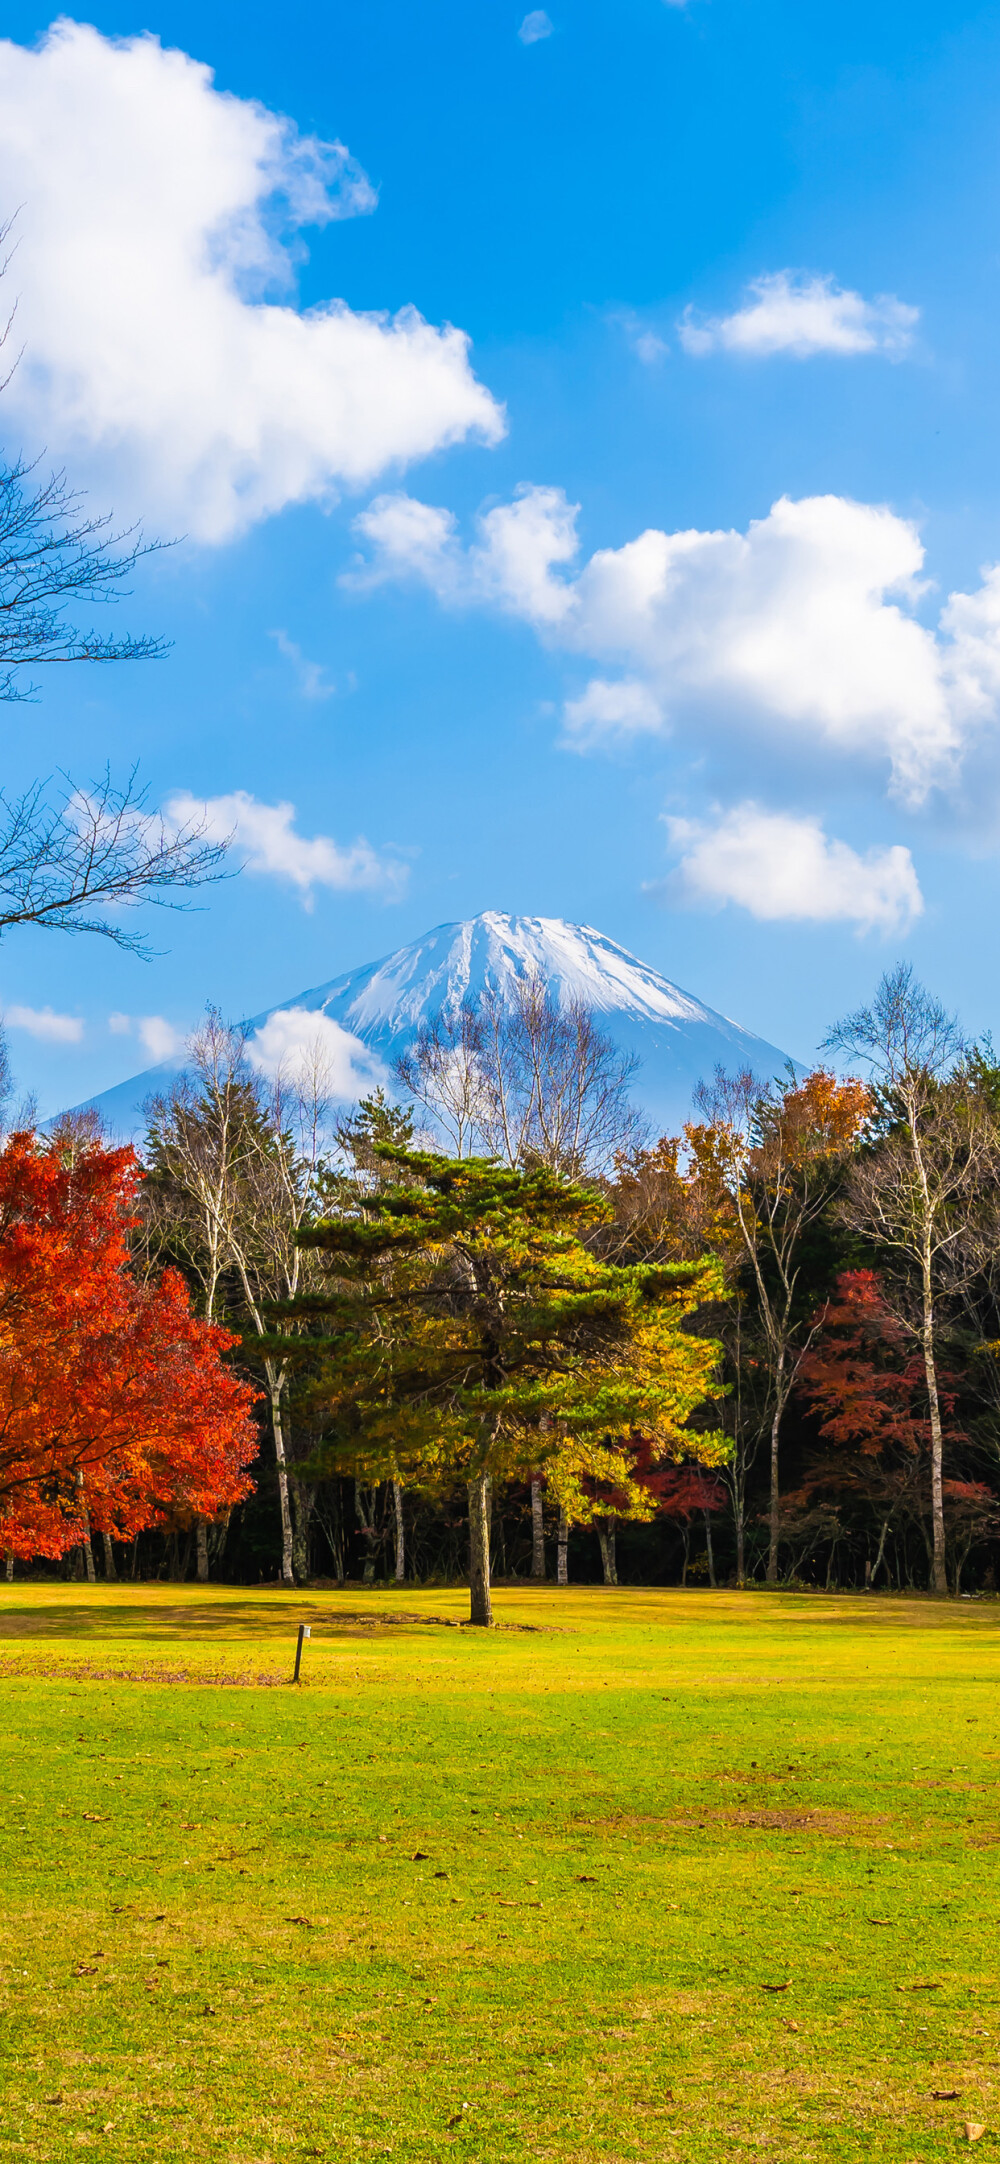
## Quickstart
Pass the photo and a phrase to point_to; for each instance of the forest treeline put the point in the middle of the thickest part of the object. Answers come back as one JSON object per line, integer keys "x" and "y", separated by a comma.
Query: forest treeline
{"x": 486, "y": 1325}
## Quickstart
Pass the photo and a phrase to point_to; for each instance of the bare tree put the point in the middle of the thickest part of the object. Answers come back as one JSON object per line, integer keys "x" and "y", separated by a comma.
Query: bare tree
{"x": 232, "y": 1164}
{"x": 443, "y": 1072}
{"x": 915, "y": 1191}
{"x": 557, "y": 1084}
{"x": 526, "y": 1081}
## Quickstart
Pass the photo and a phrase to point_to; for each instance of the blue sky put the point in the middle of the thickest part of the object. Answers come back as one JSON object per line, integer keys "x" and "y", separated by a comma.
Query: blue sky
{"x": 710, "y": 259}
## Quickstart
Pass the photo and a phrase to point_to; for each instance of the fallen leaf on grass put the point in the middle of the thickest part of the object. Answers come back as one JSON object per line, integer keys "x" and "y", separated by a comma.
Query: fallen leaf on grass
{"x": 306, "y": 1920}
{"x": 82, "y": 1970}
{"x": 777, "y": 1987}
{"x": 456, "y": 2119}
{"x": 944, "y": 2096}
{"x": 885, "y": 1920}
{"x": 792, "y": 2025}
{"x": 973, "y": 2130}
{"x": 52, "y": 2099}
{"x": 96, "y": 1818}
{"x": 440, "y": 1874}
{"x": 583, "y": 1878}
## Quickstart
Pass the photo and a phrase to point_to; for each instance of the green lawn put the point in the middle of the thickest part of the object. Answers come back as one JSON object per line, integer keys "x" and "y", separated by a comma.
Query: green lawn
{"x": 639, "y": 1875}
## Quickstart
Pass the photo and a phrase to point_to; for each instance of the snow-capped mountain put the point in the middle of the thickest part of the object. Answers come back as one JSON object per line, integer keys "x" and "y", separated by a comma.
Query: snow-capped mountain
{"x": 373, "y": 1014}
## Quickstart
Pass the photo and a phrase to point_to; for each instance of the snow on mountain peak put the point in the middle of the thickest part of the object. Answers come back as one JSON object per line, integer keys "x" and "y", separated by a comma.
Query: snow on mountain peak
{"x": 376, "y": 1011}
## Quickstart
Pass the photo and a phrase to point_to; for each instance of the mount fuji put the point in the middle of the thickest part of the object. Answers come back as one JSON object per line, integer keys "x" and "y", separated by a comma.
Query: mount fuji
{"x": 365, "y": 1019}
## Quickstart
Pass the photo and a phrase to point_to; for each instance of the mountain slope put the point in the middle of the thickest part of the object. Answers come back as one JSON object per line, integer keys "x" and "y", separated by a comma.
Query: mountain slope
{"x": 381, "y": 1006}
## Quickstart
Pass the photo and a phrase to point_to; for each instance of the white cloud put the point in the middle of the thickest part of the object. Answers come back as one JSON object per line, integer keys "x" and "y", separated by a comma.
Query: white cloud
{"x": 43, "y": 1022}
{"x": 626, "y": 706}
{"x": 779, "y": 866}
{"x": 153, "y": 217}
{"x": 801, "y": 632}
{"x": 535, "y": 26}
{"x": 793, "y": 312}
{"x": 311, "y": 675}
{"x": 519, "y": 547}
{"x": 266, "y": 839}
{"x": 157, "y": 1036}
{"x": 299, "y": 1044}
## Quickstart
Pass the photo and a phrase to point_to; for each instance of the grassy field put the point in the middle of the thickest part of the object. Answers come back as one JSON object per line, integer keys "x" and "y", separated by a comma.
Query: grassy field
{"x": 639, "y": 1875}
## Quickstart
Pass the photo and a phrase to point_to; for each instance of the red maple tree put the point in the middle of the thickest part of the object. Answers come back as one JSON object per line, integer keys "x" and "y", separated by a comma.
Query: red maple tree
{"x": 115, "y": 1402}
{"x": 868, "y": 1385}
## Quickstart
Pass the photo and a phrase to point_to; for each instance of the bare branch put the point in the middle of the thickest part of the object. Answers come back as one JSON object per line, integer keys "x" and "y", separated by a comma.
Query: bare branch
{"x": 63, "y": 865}
{"x": 52, "y": 553}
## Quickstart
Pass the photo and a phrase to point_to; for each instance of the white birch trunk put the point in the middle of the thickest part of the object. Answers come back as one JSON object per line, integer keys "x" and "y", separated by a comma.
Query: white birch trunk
{"x": 938, "y": 1570}
{"x": 537, "y": 1528}
{"x": 287, "y": 1573}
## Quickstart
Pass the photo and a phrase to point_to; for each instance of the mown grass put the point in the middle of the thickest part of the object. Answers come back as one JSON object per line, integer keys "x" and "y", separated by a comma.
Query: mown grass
{"x": 651, "y": 1875}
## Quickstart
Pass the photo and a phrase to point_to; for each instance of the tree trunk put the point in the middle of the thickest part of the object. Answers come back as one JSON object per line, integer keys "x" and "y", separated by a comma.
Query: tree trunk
{"x": 366, "y": 1520}
{"x": 397, "y": 1504}
{"x": 480, "y": 1605}
{"x": 881, "y": 1551}
{"x": 606, "y": 1536}
{"x": 741, "y": 1551}
{"x": 772, "y": 1546}
{"x": 686, "y": 1538}
{"x": 109, "y": 1559}
{"x": 562, "y": 1543}
{"x": 302, "y": 1500}
{"x": 287, "y": 1573}
{"x": 708, "y": 1550}
{"x": 201, "y": 1551}
{"x": 939, "y": 1576}
{"x": 9, "y": 1566}
{"x": 537, "y": 1528}
{"x": 85, "y": 1545}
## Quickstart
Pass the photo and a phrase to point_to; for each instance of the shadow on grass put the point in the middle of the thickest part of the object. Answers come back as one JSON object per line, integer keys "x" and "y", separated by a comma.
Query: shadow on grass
{"x": 275, "y": 1617}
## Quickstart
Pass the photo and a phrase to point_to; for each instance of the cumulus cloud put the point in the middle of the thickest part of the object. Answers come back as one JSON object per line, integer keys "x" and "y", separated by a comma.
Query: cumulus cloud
{"x": 157, "y": 1036}
{"x": 535, "y": 26}
{"x": 266, "y": 839}
{"x": 156, "y": 223}
{"x": 779, "y": 866}
{"x": 792, "y": 312}
{"x": 519, "y": 549}
{"x": 802, "y": 631}
{"x": 43, "y": 1022}
{"x": 625, "y": 707}
{"x": 302, "y": 1046}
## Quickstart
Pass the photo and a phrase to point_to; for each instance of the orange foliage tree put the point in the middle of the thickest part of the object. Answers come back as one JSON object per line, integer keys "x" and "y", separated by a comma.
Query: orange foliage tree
{"x": 117, "y": 1410}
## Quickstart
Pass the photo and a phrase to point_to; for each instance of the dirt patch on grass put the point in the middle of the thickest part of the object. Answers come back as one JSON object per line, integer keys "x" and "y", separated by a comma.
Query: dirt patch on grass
{"x": 829, "y": 1825}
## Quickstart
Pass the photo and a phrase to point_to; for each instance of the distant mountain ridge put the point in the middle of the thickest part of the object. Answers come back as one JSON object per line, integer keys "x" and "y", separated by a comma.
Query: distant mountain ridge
{"x": 381, "y": 1007}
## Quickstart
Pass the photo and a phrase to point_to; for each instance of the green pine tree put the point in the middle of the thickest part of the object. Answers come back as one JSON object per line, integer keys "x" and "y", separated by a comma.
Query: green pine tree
{"x": 471, "y": 1330}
